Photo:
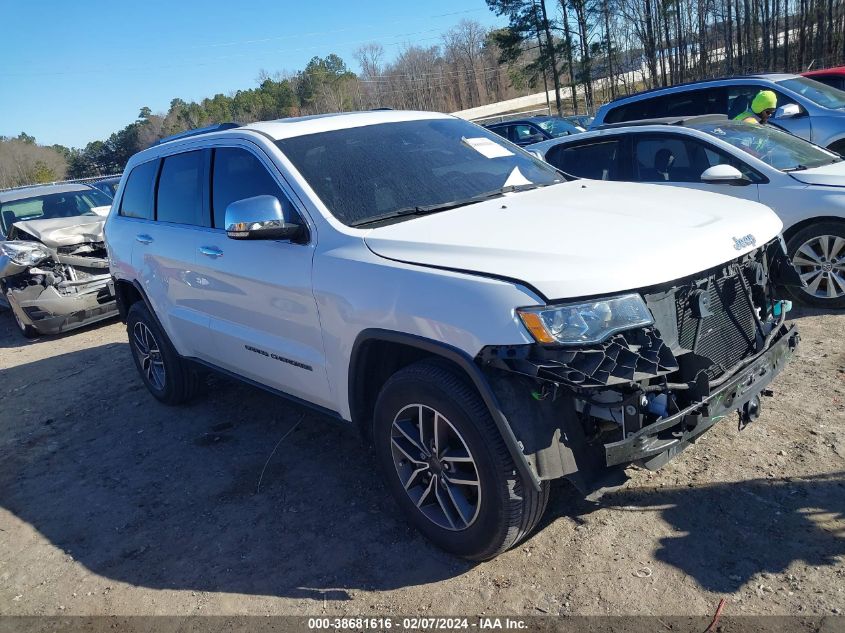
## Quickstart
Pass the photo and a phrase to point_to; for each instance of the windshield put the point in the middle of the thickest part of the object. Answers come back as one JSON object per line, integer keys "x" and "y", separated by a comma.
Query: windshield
{"x": 582, "y": 120}
{"x": 369, "y": 172}
{"x": 558, "y": 127}
{"x": 774, "y": 147}
{"x": 817, "y": 92}
{"x": 108, "y": 187}
{"x": 54, "y": 205}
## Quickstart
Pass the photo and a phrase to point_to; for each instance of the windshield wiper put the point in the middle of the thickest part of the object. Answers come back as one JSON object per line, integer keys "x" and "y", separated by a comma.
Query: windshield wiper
{"x": 796, "y": 168}
{"x": 419, "y": 210}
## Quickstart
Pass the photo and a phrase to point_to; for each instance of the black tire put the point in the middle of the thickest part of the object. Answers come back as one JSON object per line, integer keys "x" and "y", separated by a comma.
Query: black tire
{"x": 178, "y": 381}
{"x": 507, "y": 508}
{"x": 26, "y": 330}
{"x": 835, "y": 229}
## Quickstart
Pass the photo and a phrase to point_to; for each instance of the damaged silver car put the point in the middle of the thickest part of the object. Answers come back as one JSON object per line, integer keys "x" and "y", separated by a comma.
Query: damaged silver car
{"x": 54, "y": 271}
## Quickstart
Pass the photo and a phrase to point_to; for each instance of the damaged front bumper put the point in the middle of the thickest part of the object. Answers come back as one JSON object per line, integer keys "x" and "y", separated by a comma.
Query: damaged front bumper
{"x": 657, "y": 443}
{"x": 643, "y": 395}
{"x": 49, "y": 311}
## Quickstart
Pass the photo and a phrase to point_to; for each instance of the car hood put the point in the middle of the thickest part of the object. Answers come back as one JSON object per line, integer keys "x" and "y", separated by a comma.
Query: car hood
{"x": 57, "y": 232}
{"x": 832, "y": 175}
{"x": 583, "y": 237}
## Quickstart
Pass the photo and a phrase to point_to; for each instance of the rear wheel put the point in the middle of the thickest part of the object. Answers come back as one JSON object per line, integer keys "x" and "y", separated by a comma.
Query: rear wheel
{"x": 446, "y": 464}
{"x": 818, "y": 252}
{"x": 167, "y": 376}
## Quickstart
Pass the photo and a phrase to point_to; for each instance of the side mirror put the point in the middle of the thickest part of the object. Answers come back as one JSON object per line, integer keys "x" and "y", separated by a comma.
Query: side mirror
{"x": 724, "y": 175}
{"x": 788, "y": 111}
{"x": 260, "y": 218}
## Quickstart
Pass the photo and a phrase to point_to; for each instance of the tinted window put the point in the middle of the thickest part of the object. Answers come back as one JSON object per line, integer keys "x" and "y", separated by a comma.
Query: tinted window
{"x": 367, "y": 172}
{"x": 668, "y": 158}
{"x": 238, "y": 174}
{"x": 137, "y": 199}
{"x": 685, "y": 103}
{"x": 501, "y": 130}
{"x": 598, "y": 161}
{"x": 740, "y": 98}
{"x": 630, "y": 112}
{"x": 179, "y": 197}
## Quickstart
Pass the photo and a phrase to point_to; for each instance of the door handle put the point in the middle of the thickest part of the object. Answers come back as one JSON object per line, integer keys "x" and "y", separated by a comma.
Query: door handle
{"x": 211, "y": 251}
{"x": 144, "y": 238}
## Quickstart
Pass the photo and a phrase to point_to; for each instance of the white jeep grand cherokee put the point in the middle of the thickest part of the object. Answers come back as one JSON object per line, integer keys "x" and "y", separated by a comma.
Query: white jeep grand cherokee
{"x": 488, "y": 323}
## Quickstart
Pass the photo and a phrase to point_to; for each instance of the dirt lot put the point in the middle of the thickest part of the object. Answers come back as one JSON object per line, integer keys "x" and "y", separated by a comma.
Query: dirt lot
{"x": 111, "y": 503}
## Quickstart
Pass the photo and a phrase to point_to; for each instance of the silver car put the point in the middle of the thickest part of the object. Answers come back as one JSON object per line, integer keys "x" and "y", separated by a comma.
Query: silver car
{"x": 801, "y": 182}
{"x": 806, "y": 108}
{"x": 54, "y": 272}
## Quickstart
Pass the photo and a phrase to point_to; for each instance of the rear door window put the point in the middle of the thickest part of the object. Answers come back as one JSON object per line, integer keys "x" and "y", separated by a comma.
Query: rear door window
{"x": 629, "y": 112}
{"x": 239, "y": 174}
{"x": 678, "y": 104}
{"x": 137, "y": 201}
{"x": 180, "y": 192}
{"x": 598, "y": 161}
{"x": 688, "y": 103}
{"x": 501, "y": 130}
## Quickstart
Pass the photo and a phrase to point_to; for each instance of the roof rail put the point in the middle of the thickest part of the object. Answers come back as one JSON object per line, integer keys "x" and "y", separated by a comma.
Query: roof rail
{"x": 668, "y": 120}
{"x": 217, "y": 127}
{"x": 688, "y": 83}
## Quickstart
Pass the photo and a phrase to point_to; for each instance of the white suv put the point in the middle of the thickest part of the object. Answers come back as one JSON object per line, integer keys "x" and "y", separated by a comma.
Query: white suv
{"x": 487, "y": 324}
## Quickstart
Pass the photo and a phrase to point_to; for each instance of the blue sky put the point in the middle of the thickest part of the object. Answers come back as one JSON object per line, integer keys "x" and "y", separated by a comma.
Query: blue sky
{"x": 73, "y": 72}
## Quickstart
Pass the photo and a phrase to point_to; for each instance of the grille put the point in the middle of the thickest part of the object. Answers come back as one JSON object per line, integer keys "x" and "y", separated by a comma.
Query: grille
{"x": 727, "y": 334}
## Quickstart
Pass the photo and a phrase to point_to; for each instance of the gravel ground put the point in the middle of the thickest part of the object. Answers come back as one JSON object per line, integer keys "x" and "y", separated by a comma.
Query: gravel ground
{"x": 111, "y": 503}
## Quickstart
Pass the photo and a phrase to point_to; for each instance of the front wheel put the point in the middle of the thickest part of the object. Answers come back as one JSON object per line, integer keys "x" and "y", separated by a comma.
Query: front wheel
{"x": 26, "y": 330}
{"x": 818, "y": 252}
{"x": 167, "y": 376}
{"x": 446, "y": 464}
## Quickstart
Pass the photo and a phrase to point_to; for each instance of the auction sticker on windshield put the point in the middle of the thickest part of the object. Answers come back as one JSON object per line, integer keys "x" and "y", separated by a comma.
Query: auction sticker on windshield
{"x": 486, "y": 147}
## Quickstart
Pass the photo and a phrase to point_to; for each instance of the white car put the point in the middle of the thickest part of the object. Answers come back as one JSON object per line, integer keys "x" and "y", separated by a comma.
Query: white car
{"x": 487, "y": 325}
{"x": 803, "y": 183}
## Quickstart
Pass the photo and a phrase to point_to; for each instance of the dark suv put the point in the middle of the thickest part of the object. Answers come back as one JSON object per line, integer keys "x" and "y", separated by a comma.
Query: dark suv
{"x": 534, "y": 129}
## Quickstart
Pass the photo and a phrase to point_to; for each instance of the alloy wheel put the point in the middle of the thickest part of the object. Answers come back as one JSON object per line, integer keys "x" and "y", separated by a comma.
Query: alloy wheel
{"x": 821, "y": 263}
{"x": 149, "y": 355}
{"x": 435, "y": 467}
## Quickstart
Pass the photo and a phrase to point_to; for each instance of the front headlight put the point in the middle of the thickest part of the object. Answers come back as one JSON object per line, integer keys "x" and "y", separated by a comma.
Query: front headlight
{"x": 25, "y": 253}
{"x": 587, "y": 322}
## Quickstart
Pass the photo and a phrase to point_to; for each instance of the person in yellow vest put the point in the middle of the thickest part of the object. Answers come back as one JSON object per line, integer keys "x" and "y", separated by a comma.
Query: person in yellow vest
{"x": 762, "y": 107}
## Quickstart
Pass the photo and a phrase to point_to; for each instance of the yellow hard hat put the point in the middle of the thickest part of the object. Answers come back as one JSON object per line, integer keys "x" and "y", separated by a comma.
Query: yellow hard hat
{"x": 765, "y": 100}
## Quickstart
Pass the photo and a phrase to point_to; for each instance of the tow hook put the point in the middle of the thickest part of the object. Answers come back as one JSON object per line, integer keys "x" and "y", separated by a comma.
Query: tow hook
{"x": 750, "y": 412}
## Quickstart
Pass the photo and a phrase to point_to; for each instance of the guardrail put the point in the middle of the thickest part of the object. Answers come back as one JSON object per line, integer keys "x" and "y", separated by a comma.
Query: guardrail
{"x": 501, "y": 118}
{"x": 70, "y": 181}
